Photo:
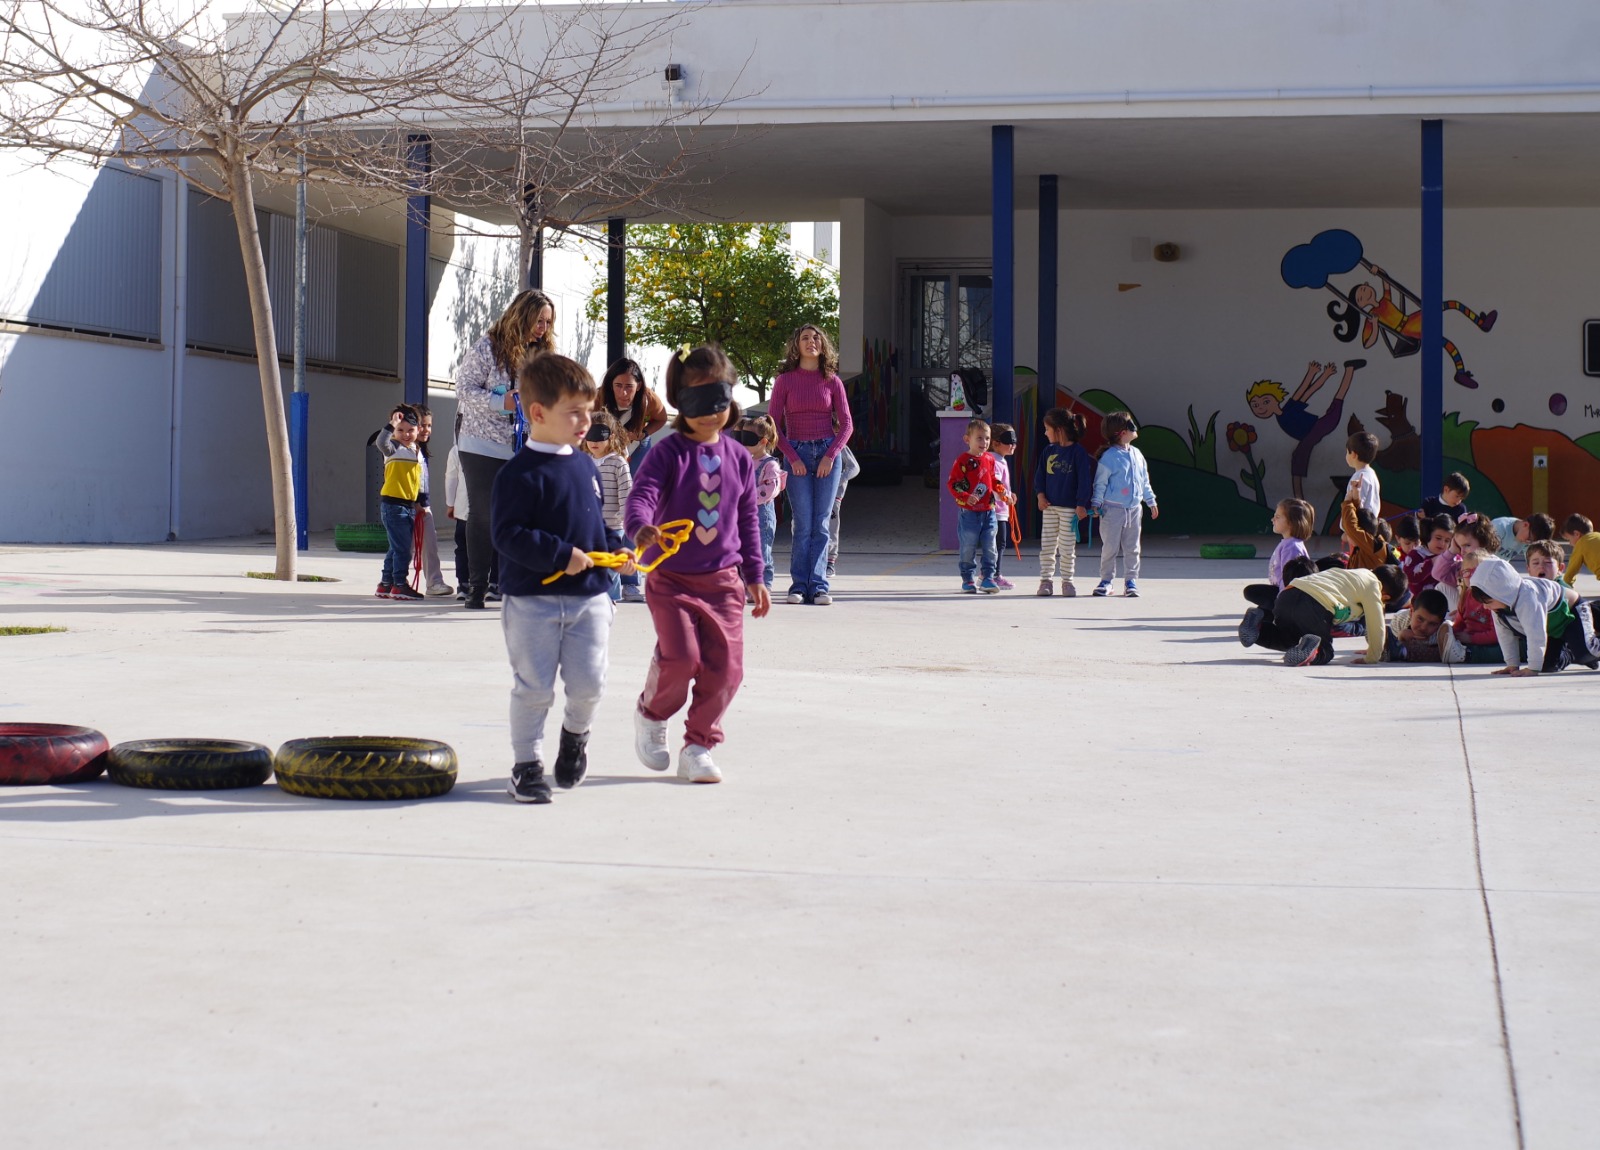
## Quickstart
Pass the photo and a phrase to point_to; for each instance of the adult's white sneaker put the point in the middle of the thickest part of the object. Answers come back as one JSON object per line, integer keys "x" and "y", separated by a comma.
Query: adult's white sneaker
{"x": 650, "y": 742}
{"x": 695, "y": 765}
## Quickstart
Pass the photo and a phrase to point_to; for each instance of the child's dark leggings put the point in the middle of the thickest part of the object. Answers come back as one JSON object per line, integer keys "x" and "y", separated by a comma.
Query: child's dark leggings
{"x": 1295, "y": 614}
{"x": 1262, "y": 595}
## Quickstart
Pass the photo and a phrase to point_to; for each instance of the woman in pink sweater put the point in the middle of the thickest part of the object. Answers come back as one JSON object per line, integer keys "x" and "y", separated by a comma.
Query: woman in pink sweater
{"x": 812, "y": 414}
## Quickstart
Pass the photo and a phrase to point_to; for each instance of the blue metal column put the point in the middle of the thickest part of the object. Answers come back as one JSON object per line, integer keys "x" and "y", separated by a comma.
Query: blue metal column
{"x": 419, "y": 210}
{"x": 1049, "y": 256}
{"x": 616, "y": 290}
{"x": 1430, "y": 419}
{"x": 1003, "y": 188}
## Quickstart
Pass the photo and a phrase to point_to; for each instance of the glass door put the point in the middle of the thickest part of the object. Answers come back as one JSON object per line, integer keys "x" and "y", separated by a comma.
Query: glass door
{"x": 952, "y": 327}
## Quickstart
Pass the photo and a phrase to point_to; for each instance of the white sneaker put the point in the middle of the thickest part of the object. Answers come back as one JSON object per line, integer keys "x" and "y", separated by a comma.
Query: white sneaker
{"x": 823, "y": 599}
{"x": 695, "y": 765}
{"x": 1453, "y": 652}
{"x": 441, "y": 589}
{"x": 650, "y": 742}
{"x": 795, "y": 598}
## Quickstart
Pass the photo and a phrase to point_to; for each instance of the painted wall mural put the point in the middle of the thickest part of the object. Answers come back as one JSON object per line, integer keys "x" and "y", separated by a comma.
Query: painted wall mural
{"x": 1338, "y": 395}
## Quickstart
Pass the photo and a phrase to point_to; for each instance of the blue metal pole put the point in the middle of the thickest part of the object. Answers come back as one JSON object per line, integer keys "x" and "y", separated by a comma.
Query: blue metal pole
{"x": 1003, "y": 187}
{"x": 419, "y": 209}
{"x": 1049, "y": 256}
{"x": 300, "y": 400}
{"x": 1431, "y": 414}
{"x": 616, "y": 289}
{"x": 299, "y": 428}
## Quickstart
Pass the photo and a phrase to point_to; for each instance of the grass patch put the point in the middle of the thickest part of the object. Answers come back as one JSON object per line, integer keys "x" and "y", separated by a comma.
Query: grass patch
{"x": 31, "y": 630}
{"x": 298, "y": 578}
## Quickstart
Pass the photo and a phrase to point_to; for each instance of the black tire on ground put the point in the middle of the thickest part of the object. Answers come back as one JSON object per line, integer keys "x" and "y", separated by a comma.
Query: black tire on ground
{"x": 1227, "y": 551}
{"x": 366, "y": 767}
{"x": 189, "y": 764}
{"x": 370, "y": 537}
{"x": 48, "y": 754}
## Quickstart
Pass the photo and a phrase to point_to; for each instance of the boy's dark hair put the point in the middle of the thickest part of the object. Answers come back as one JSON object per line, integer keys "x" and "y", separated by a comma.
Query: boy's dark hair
{"x": 1548, "y": 548}
{"x": 1541, "y": 526}
{"x": 1070, "y": 422}
{"x": 1366, "y": 521}
{"x": 549, "y": 378}
{"x": 1116, "y": 423}
{"x": 707, "y": 363}
{"x": 1297, "y": 568}
{"x": 1384, "y": 531}
{"x": 1578, "y": 523}
{"x": 1480, "y": 594}
{"x": 1438, "y": 523}
{"x": 1300, "y": 516}
{"x": 1433, "y": 602}
{"x": 1363, "y": 445}
{"x": 1455, "y": 481}
{"x": 1391, "y": 580}
{"x": 1409, "y": 528}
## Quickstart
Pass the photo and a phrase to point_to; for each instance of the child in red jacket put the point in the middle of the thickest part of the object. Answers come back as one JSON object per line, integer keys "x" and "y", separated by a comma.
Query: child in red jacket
{"x": 973, "y": 485}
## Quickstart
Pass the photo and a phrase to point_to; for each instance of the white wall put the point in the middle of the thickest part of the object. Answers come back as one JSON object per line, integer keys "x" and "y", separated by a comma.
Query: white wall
{"x": 1201, "y": 330}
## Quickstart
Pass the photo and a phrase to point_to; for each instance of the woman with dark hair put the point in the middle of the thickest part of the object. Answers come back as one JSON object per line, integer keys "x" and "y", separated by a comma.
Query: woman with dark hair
{"x": 812, "y": 414}
{"x": 638, "y": 411}
{"x": 486, "y": 397}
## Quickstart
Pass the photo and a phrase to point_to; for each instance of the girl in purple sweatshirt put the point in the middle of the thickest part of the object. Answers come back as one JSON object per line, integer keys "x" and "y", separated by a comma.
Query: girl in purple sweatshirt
{"x": 697, "y": 596}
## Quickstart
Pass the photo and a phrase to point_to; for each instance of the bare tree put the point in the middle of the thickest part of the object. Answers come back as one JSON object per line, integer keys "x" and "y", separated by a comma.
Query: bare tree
{"x": 228, "y": 104}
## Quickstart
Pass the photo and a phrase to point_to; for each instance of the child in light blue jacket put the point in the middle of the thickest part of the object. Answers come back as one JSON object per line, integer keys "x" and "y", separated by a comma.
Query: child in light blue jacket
{"x": 1121, "y": 488}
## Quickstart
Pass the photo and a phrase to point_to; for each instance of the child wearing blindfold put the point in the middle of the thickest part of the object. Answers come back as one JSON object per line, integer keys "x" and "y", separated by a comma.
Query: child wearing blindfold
{"x": 697, "y": 595}
{"x": 604, "y": 444}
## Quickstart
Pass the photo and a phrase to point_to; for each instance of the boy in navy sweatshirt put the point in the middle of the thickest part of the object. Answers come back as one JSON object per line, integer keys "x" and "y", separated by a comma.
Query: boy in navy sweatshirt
{"x": 546, "y": 515}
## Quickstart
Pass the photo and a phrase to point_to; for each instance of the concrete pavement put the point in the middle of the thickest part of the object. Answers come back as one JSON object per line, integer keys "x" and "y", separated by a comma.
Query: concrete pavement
{"x": 985, "y": 872}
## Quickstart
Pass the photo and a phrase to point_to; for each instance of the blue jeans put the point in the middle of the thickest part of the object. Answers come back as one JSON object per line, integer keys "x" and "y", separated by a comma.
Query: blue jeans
{"x": 975, "y": 529}
{"x": 810, "y": 504}
{"x": 616, "y": 541}
{"x": 400, "y": 521}
{"x": 767, "y": 518}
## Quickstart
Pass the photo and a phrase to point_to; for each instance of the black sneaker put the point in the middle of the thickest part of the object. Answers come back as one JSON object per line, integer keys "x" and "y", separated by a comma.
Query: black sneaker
{"x": 1250, "y": 626}
{"x": 1303, "y": 653}
{"x": 572, "y": 760}
{"x": 527, "y": 783}
{"x": 404, "y": 591}
{"x": 474, "y": 600}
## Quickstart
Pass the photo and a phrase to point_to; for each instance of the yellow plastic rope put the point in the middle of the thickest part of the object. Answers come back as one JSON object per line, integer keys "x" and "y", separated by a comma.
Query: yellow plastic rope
{"x": 673, "y": 536}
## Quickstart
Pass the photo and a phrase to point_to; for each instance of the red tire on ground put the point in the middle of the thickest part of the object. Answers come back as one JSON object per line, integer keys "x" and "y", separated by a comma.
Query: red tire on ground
{"x": 41, "y": 754}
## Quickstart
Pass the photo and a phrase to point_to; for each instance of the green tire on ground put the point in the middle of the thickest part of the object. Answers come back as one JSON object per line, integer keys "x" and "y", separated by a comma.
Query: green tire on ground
{"x": 189, "y": 764}
{"x": 1227, "y": 551}
{"x": 365, "y": 767}
{"x": 360, "y": 537}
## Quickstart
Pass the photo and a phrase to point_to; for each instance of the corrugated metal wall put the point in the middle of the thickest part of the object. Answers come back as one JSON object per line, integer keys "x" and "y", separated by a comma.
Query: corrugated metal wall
{"x": 352, "y": 290}
{"x": 106, "y": 275}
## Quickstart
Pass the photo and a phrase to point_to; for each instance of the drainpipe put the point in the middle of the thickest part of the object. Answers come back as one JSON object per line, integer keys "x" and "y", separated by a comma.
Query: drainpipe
{"x": 178, "y": 350}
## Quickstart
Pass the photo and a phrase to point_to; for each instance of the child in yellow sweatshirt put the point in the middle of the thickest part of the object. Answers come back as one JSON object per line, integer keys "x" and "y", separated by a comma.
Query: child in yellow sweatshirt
{"x": 1301, "y": 622}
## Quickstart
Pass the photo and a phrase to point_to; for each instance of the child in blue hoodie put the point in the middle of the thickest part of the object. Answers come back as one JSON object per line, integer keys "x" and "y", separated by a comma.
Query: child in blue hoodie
{"x": 1121, "y": 488}
{"x": 1064, "y": 479}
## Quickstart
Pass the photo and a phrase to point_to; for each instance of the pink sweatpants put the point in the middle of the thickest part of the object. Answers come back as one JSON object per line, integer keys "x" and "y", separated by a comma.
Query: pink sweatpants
{"x": 700, "y": 640}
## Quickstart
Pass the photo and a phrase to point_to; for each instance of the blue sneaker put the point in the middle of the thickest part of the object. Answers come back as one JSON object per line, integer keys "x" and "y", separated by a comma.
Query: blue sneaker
{"x": 1103, "y": 589}
{"x": 1131, "y": 589}
{"x": 989, "y": 586}
{"x": 968, "y": 587}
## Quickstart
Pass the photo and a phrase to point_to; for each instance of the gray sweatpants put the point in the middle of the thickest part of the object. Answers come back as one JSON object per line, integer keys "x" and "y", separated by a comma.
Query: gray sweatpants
{"x": 544, "y": 634}
{"x": 1119, "y": 535}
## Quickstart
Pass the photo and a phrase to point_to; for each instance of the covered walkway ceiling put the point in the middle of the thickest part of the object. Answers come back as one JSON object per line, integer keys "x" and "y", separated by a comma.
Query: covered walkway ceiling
{"x": 800, "y": 171}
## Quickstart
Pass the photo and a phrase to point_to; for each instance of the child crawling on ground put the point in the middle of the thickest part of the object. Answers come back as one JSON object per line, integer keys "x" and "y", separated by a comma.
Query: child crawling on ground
{"x": 1301, "y": 622}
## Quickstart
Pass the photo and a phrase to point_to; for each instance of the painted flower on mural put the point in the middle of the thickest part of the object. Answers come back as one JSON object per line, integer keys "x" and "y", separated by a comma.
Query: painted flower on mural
{"x": 1241, "y": 436}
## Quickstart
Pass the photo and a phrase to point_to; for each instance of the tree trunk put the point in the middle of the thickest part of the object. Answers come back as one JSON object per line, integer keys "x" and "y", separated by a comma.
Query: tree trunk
{"x": 277, "y": 424}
